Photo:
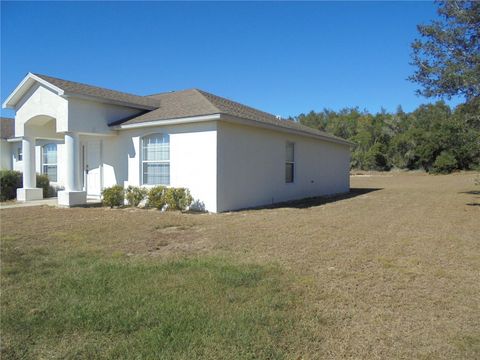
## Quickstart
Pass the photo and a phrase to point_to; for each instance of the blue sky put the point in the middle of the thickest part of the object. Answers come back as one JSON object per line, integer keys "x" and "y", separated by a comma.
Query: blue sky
{"x": 282, "y": 57}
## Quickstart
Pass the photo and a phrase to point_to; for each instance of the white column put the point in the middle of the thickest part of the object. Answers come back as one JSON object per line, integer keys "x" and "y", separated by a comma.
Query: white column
{"x": 29, "y": 175}
{"x": 29, "y": 191}
{"x": 72, "y": 161}
{"x": 72, "y": 195}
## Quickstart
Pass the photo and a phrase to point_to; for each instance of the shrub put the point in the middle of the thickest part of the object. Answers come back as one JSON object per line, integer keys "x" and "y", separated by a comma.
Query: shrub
{"x": 10, "y": 181}
{"x": 113, "y": 196}
{"x": 44, "y": 183}
{"x": 444, "y": 163}
{"x": 135, "y": 195}
{"x": 178, "y": 198}
{"x": 156, "y": 197}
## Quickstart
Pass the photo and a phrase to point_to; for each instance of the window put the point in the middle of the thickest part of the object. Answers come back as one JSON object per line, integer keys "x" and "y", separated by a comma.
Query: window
{"x": 50, "y": 161}
{"x": 19, "y": 154}
{"x": 289, "y": 162}
{"x": 156, "y": 159}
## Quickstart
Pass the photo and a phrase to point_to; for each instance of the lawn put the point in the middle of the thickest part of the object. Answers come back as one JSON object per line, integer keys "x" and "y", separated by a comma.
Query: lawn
{"x": 391, "y": 271}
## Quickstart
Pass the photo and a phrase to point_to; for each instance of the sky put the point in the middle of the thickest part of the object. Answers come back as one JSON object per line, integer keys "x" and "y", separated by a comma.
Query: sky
{"x": 285, "y": 58}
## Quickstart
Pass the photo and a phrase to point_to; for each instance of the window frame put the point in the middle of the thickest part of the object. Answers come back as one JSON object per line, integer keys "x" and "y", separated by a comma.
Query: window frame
{"x": 290, "y": 162}
{"x": 20, "y": 153}
{"x": 44, "y": 164}
{"x": 143, "y": 161}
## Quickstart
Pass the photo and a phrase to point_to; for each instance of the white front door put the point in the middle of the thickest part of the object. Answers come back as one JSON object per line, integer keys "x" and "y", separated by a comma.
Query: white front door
{"x": 92, "y": 167}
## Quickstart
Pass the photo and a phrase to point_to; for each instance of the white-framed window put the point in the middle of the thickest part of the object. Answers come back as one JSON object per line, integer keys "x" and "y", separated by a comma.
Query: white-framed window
{"x": 49, "y": 161}
{"x": 19, "y": 154}
{"x": 156, "y": 159}
{"x": 289, "y": 162}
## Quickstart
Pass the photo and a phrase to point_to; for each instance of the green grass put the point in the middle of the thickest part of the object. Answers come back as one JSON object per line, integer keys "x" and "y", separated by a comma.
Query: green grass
{"x": 88, "y": 306}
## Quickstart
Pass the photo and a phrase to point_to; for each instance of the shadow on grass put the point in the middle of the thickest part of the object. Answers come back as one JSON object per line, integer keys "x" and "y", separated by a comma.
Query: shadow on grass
{"x": 316, "y": 201}
{"x": 472, "y": 192}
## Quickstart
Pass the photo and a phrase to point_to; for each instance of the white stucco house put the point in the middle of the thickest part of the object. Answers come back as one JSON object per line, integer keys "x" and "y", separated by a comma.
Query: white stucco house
{"x": 229, "y": 155}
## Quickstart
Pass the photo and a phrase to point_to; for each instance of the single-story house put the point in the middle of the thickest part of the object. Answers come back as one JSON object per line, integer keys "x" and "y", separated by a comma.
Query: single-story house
{"x": 230, "y": 156}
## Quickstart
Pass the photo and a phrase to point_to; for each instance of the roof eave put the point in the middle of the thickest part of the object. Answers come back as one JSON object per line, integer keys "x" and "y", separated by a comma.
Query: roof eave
{"x": 108, "y": 101}
{"x": 172, "y": 121}
{"x": 229, "y": 118}
{"x": 236, "y": 119}
{"x": 27, "y": 82}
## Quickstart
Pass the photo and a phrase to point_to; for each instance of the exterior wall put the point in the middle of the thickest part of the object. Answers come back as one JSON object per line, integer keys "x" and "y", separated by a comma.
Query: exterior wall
{"x": 9, "y": 155}
{"x": 193, "y": 152}
{"x": 6, "y": 158}
{"x": 86, "y": 116}
{"x": 251, "y": 167}
{"x": 16, "y": 163}
{"x": 40, "y": 102}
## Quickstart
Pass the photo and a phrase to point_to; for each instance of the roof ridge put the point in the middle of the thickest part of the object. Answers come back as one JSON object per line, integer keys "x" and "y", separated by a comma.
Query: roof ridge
{"x": 202, "y": 94}
{"x": 170, "y": 92}
{"x": 206, "y": 94}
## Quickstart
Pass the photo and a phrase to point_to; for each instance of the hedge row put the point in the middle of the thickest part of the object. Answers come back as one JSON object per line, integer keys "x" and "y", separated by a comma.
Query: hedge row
{"x": 160, "y": 197}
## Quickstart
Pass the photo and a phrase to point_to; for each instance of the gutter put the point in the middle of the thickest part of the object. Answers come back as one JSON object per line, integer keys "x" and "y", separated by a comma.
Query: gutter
{"x": 185, "y": 120}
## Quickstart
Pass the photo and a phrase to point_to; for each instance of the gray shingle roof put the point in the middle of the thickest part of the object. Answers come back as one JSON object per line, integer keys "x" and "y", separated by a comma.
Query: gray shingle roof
{"x": 7, "y": 128}
{"x": 195, "y": 102}
{"x": 180, "y": 104}
{"x": 72, "y": 87}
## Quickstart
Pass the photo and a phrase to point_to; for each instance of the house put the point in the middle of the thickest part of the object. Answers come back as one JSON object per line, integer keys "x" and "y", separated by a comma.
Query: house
{"x": 230, "y": 156}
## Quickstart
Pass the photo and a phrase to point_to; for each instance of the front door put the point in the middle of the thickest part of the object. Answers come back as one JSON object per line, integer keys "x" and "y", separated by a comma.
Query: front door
{"x": 92, "y": 167}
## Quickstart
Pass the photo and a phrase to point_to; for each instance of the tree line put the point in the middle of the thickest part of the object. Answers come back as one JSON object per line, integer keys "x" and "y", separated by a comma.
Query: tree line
{"x": 433, "y": 137}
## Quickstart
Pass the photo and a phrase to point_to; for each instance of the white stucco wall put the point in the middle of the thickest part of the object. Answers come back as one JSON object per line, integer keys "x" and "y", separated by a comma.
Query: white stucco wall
{"x": 40, "y": 102}
{"x": 17, "y": 164}
{"x": 6, "y": 157}
{"x": 251, "y": 167}
{"x": 193, "y": 151}
{"x": 86, "y": 116}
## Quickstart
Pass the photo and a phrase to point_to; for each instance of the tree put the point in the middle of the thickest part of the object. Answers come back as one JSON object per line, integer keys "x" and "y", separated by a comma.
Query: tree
{"x": 447, "y": 56}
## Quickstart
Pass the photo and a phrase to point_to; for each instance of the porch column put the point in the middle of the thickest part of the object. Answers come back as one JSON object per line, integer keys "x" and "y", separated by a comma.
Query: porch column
{"x": 29, "y": 191}
{"x": 72, "y": 195}
{"x": 29, "y": 174}
{"x": 72, "y": 161}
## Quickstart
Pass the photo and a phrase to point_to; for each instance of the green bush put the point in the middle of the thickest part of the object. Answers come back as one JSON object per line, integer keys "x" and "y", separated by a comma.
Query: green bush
{"x": 156, "y": 197}
{"x": 444, "y": 163}
{"x": 135, "y": 195}
{"x": 10, "y": 181}
{"x": 113, "y": 196}
{"x": 44, "y": 183}
{"x": 178, "y": 198}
